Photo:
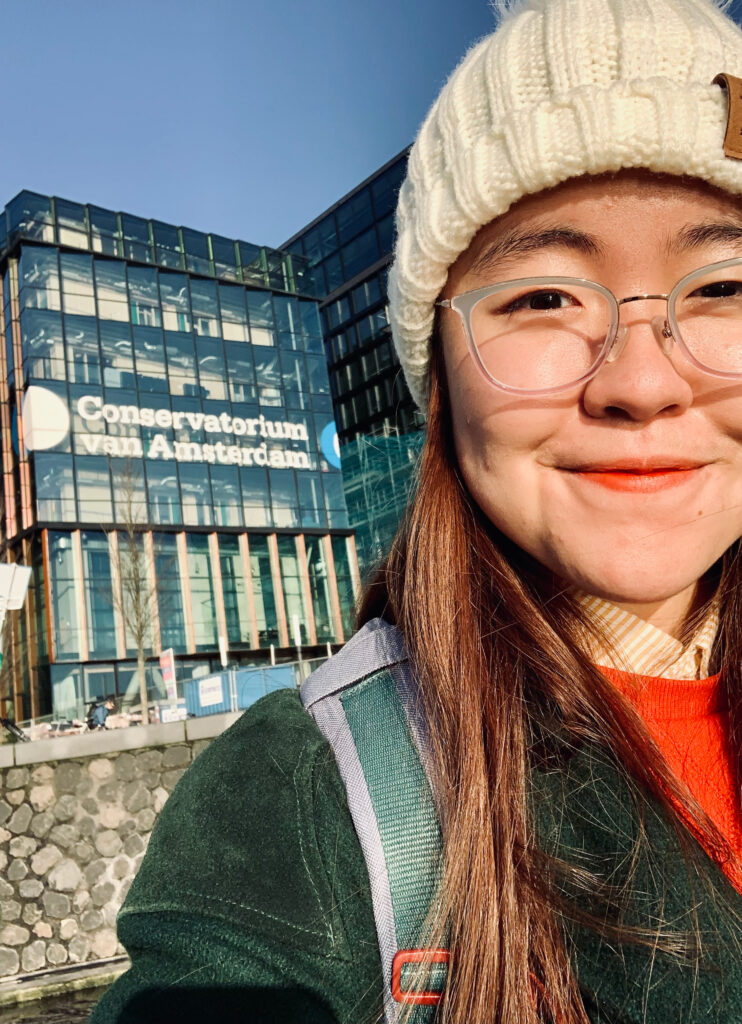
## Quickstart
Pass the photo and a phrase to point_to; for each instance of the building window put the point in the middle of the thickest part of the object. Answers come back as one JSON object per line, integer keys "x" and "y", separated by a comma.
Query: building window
{"x": 233, "y": 588}
{"x": 262, "y": 586}
{"x": 202, "y": 592}
{"x": 344, "y": 578}
{"x": 55, "y": 488}
{"x": 94, "y": 489}
{"x": 169, "y": 598}
{"x": 293, "y": 592}
{"x": 319, "y": 587}
{"x": 65, "y": 621}
{"x": 99, "y": 599}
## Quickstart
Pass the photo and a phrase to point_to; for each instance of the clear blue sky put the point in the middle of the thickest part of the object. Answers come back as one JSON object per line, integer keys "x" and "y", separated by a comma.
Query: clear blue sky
{"x": 243, "y": 117}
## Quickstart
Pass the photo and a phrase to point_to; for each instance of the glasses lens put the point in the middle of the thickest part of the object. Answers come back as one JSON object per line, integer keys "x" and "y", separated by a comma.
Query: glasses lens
{"x": 708, "y": 314}
{"x": 539, "y": 335}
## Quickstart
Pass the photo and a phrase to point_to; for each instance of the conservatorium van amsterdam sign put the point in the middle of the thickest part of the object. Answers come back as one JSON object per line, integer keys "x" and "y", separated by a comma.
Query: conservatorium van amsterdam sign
{"x": 46, "y": 423}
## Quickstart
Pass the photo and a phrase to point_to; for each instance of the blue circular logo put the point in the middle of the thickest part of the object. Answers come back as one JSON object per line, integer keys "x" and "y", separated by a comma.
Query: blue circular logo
{"x": 330, "y": 444}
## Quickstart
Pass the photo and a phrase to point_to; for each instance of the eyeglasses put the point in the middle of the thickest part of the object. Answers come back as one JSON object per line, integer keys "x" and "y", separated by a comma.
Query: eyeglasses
{"x": 541, "y": 335}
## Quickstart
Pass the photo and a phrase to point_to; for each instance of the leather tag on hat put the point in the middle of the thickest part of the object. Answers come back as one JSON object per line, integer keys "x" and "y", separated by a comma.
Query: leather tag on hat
{"x": 733, "y": 137}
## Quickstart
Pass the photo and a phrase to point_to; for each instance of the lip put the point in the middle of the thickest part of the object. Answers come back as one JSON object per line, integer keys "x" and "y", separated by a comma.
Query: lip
{"x": 638, "y": 480}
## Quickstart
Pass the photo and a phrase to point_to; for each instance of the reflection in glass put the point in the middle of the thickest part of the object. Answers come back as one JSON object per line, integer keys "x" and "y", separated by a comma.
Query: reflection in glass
{"x": 293, "y": 592}
{"x": 144, "y": 297}
{"x": 225, "y": 486}
{"x": 149, "y": 349}
{"x": 99, "y": 602}
{"x": 240, "y": 372}
{"x": 176, "y": 313}
{"x": 211, "y": 368}
{"x": 43, "y": 346}
{"x": 284, "y": 498}
{"x": 262, "y": 585}
{"x": 93, "y": 489}
{"x": 55, "y": 487}
{"x": 169, "y": 595}
{"x": 164, "y": 495}
{"x": 137, "y": 241}
{"x": 354, "y": 215}
{"x": 225, "y": 261}
{"x": 233, "y": 589}
{"x": 341, "y": 557}
{"x": 311, "y": 501}
{"x": 65, "y": 623}
{"x": 196, "y": 246}
{"x": 196, "y": 494}
{"x": 30, "y": 214}
{"x": 202, "y": 592}
{"x": 104, "y": 231}
{"x": 71, "y": 226}
{"x": 117, "y": 357}
{"x": 256, "y": 502}
{"x": 234, "y": 314}
{"x": 319, "y": 588}
{"x": 205, "y": 308}
{"x": 110, "y": 287}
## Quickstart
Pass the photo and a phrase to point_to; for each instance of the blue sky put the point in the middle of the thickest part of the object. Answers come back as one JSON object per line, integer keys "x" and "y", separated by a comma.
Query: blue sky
{"x": 243, "y": 117}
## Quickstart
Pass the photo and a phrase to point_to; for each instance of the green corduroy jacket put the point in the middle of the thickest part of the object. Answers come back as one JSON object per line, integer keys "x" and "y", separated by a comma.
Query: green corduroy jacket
{"x": 253, "y": 903}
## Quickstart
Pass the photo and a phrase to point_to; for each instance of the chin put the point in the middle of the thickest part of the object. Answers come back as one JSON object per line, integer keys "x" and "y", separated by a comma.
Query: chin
{"x": 624, "y": 585}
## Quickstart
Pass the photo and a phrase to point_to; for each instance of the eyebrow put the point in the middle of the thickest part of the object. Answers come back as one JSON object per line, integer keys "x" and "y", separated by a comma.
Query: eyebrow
{"x": 524, "y": 243}
{"x": 696, "y": 236}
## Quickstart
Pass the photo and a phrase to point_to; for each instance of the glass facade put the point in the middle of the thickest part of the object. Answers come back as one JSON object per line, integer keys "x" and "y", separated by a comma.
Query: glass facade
{"x": 171, "y": 383}
{"x": 348, "y": 250}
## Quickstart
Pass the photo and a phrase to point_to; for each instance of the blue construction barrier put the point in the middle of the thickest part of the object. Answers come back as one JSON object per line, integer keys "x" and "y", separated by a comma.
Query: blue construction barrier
{"x": 211, "y": 695}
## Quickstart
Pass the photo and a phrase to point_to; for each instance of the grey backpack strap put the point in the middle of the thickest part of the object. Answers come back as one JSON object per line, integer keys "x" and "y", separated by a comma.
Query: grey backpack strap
{"x": 364, "y": 701}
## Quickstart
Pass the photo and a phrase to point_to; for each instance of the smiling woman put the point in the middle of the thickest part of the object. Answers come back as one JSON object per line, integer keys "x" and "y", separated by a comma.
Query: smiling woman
{"x": 532, "y": 814}
{"x": 618, "y": 423}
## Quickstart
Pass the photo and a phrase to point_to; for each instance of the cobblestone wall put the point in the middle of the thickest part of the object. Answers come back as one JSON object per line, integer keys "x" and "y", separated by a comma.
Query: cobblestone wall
{"x": 72, "y": 835}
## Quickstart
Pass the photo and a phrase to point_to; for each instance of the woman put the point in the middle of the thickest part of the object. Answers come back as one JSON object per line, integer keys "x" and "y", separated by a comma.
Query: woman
{"x": 567, "y": 581}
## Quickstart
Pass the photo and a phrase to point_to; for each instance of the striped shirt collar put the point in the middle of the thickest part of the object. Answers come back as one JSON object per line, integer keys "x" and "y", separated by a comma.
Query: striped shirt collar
{"x": 646, "y": 650}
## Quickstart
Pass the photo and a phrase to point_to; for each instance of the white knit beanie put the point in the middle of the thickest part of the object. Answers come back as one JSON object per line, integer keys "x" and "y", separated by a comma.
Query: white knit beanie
{"x": 562, "y": 88}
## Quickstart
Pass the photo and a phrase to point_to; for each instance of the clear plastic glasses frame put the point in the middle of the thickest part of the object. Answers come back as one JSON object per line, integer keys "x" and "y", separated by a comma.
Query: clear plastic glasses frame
{"x": 615, "y": 336}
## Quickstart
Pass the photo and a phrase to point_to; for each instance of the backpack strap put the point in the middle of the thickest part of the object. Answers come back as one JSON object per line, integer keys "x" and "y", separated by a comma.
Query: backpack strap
{"x": 364, "y": 701}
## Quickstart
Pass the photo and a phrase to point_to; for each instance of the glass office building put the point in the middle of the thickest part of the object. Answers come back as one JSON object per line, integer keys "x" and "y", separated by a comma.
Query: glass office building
{"x": 165, "y": 408}
{"x": 349, "y": 249}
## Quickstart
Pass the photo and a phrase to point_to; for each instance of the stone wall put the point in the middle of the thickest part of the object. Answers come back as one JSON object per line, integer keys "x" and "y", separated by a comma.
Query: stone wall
{"x": 76, "y": 814}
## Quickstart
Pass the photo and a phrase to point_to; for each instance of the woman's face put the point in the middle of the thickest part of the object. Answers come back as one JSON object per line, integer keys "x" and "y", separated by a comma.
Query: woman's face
{"x": 540, "y": 467}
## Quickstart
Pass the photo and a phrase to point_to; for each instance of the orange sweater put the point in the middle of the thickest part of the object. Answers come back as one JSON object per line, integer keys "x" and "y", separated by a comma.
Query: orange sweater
{"x": 689, "y": 720}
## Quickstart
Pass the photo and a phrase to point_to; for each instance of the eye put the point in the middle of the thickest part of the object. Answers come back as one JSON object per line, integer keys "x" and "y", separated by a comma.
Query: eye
{"x": 540, "y": 301}
{"x": 718, "y": 290}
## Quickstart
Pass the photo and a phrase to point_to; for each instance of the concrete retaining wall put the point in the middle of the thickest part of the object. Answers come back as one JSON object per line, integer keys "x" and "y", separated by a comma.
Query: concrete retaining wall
{"x": 76, "y": 814}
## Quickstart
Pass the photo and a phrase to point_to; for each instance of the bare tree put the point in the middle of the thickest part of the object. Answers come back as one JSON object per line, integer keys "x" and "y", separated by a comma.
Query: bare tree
{"x": 134, "y": 593}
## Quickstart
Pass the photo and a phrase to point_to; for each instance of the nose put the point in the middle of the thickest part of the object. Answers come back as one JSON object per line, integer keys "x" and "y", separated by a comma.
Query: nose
{"x": 639, "y": 379}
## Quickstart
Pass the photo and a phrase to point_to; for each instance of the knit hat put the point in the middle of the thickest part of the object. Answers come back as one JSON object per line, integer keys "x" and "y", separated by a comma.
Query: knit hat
{"x": 562, "y": 88}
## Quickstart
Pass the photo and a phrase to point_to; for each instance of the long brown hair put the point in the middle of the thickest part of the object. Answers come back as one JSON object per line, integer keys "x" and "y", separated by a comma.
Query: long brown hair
{"x": 495, "y": 642}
